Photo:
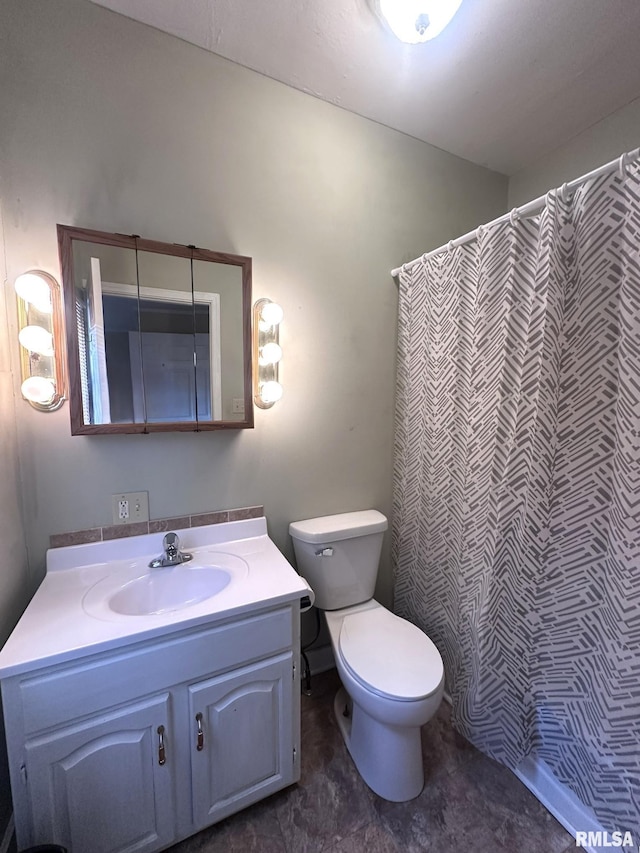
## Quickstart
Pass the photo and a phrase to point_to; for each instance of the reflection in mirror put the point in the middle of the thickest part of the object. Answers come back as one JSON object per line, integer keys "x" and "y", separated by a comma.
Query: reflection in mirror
{"x": 158, "y": 334}
{"x": 221, "y": 287}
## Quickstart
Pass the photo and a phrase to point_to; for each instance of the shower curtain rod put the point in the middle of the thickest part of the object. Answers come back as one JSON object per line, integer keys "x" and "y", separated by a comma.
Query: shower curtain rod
{"x": 526, "y": 209}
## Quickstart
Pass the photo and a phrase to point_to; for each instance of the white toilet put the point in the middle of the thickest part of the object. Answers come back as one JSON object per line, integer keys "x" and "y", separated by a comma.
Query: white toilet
{"x": 392, "y": 673}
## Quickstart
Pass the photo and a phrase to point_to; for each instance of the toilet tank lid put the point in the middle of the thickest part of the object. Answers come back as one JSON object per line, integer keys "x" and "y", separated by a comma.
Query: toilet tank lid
{"x": 333, "y": 528}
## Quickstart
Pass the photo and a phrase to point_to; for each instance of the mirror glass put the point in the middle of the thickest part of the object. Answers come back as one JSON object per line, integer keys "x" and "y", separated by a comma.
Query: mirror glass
{"x": 157, "y": 334}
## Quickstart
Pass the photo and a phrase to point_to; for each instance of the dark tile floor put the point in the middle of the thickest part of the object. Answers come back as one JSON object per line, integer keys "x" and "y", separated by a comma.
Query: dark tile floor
{"x": 470, "y": 804}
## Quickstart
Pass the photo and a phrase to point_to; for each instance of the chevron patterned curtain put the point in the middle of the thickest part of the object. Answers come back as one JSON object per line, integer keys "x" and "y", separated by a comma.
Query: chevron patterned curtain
{"x": 516, "y": 533}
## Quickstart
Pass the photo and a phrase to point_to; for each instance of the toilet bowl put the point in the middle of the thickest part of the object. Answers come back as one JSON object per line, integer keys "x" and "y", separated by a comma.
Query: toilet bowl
{"x": 392, "y": 674}
{"x": 393, "y": 681}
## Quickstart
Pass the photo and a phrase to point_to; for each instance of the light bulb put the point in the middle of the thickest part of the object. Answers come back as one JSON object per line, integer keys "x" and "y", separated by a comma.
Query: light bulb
{"x": 271, "y": 391}
{"x": 270, "y": 353}
{"x": 34, "y": 289}
{"x": 415, "y": 21}
{"x": 38, "y": 390}
{"x": 271, "y": 314}
{"x": 36, "y": 339}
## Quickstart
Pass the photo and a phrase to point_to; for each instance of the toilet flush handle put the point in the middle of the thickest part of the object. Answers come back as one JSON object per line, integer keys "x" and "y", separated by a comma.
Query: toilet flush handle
{"x": 324, "y": 552}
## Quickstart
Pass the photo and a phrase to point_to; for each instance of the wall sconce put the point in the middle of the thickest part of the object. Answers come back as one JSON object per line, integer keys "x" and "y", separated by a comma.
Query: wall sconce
{"x": 40, "y": 337}
{"x": 267, "y": 316}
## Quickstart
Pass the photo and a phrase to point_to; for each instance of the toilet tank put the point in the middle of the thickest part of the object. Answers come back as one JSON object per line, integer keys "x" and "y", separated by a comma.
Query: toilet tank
{"x": 338, "y": 555}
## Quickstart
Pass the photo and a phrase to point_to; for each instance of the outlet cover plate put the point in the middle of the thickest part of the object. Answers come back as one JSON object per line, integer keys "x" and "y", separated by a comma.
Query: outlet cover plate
{"x": 130, "y": 507}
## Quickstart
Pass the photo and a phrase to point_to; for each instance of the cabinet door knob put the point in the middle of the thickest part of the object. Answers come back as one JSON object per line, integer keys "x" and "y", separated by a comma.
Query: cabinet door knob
{"x": 200, "y": 740}
{"x": 161, "y": 753}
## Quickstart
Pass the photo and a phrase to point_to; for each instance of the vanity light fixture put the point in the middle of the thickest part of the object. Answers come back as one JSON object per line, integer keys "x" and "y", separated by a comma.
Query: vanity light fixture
{"x": 267, "y": 352}
{"x": 40, "y": 338}
{"x": 416, "y": 21}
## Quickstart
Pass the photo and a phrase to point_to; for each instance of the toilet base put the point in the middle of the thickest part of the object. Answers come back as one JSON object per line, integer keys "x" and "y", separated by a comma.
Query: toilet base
{"x": 389, "y": 758}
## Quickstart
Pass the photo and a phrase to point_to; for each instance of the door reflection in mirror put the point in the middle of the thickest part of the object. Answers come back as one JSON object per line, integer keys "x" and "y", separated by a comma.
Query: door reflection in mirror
{"x": 149, "y": 352}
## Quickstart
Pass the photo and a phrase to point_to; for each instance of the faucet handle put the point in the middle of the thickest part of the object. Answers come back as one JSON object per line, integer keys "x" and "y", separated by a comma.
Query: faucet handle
{"x": 171, "y": 543}
{"x": 171, "y": 555}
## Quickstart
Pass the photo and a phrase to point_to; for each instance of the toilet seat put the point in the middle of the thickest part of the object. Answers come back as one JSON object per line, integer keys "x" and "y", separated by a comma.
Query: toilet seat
{"x": 389, "y": 655}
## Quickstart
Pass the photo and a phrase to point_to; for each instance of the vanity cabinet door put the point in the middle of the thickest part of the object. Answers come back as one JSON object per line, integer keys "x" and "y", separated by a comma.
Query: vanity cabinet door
{"x": 104, "y": 785}
{"x": 242, "y": 737}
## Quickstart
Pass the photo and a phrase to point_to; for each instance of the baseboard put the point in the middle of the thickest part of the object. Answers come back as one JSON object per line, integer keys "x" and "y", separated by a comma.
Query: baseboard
{"x": 563, "y": 804}
{"x": 560, "y": 801}
{"x": 7, "y": 836}
{"x": 320, "y": 660}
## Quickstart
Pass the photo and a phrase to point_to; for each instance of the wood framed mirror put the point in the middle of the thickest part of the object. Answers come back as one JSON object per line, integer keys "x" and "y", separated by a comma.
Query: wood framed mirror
{"x": 158, "y": 335}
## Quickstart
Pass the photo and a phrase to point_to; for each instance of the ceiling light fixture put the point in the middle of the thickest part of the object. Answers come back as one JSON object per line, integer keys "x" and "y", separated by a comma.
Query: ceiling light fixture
{"x": 416, "y": 21}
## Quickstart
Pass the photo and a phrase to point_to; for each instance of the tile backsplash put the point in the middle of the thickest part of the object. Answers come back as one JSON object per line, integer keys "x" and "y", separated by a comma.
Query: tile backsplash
{"x": 158, "y": 525}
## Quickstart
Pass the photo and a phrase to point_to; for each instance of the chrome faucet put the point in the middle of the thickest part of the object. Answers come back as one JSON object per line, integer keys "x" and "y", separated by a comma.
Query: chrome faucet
{"x": 172, "y": 555}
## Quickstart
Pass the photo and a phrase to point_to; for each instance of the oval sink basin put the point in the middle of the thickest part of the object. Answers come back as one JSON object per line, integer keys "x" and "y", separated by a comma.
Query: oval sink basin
{"x": 132, "y": 589}
{"x": 164, "y": 590}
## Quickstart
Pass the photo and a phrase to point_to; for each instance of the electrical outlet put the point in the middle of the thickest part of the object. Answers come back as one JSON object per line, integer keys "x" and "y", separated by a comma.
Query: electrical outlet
{"x": 123, "y": 509}
{"x": 129, "y": 508}
{"x": 237, "y": 406}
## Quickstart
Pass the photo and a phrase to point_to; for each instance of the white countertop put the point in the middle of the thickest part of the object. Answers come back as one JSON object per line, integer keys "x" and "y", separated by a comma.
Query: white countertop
{"x": 56, "y": 627}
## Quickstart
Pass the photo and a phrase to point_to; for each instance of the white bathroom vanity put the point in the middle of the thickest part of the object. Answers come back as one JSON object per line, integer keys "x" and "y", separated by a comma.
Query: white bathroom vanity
{"x": 142, "y": 705}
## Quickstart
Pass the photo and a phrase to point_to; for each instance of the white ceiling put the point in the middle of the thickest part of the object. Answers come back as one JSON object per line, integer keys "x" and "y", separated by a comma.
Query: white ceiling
{"x": 506, "y": 83}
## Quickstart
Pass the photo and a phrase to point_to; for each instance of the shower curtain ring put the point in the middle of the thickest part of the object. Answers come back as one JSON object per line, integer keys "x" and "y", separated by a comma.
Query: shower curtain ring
{"x": 450, "y": 246}
{"x": 564, "y": 192}
{"x": 514, "y": 216}
{"x": 622, "y": 167}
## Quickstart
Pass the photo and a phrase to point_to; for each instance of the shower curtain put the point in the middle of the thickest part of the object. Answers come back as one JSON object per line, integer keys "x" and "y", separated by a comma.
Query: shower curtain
{"x": 516, "y": 533}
